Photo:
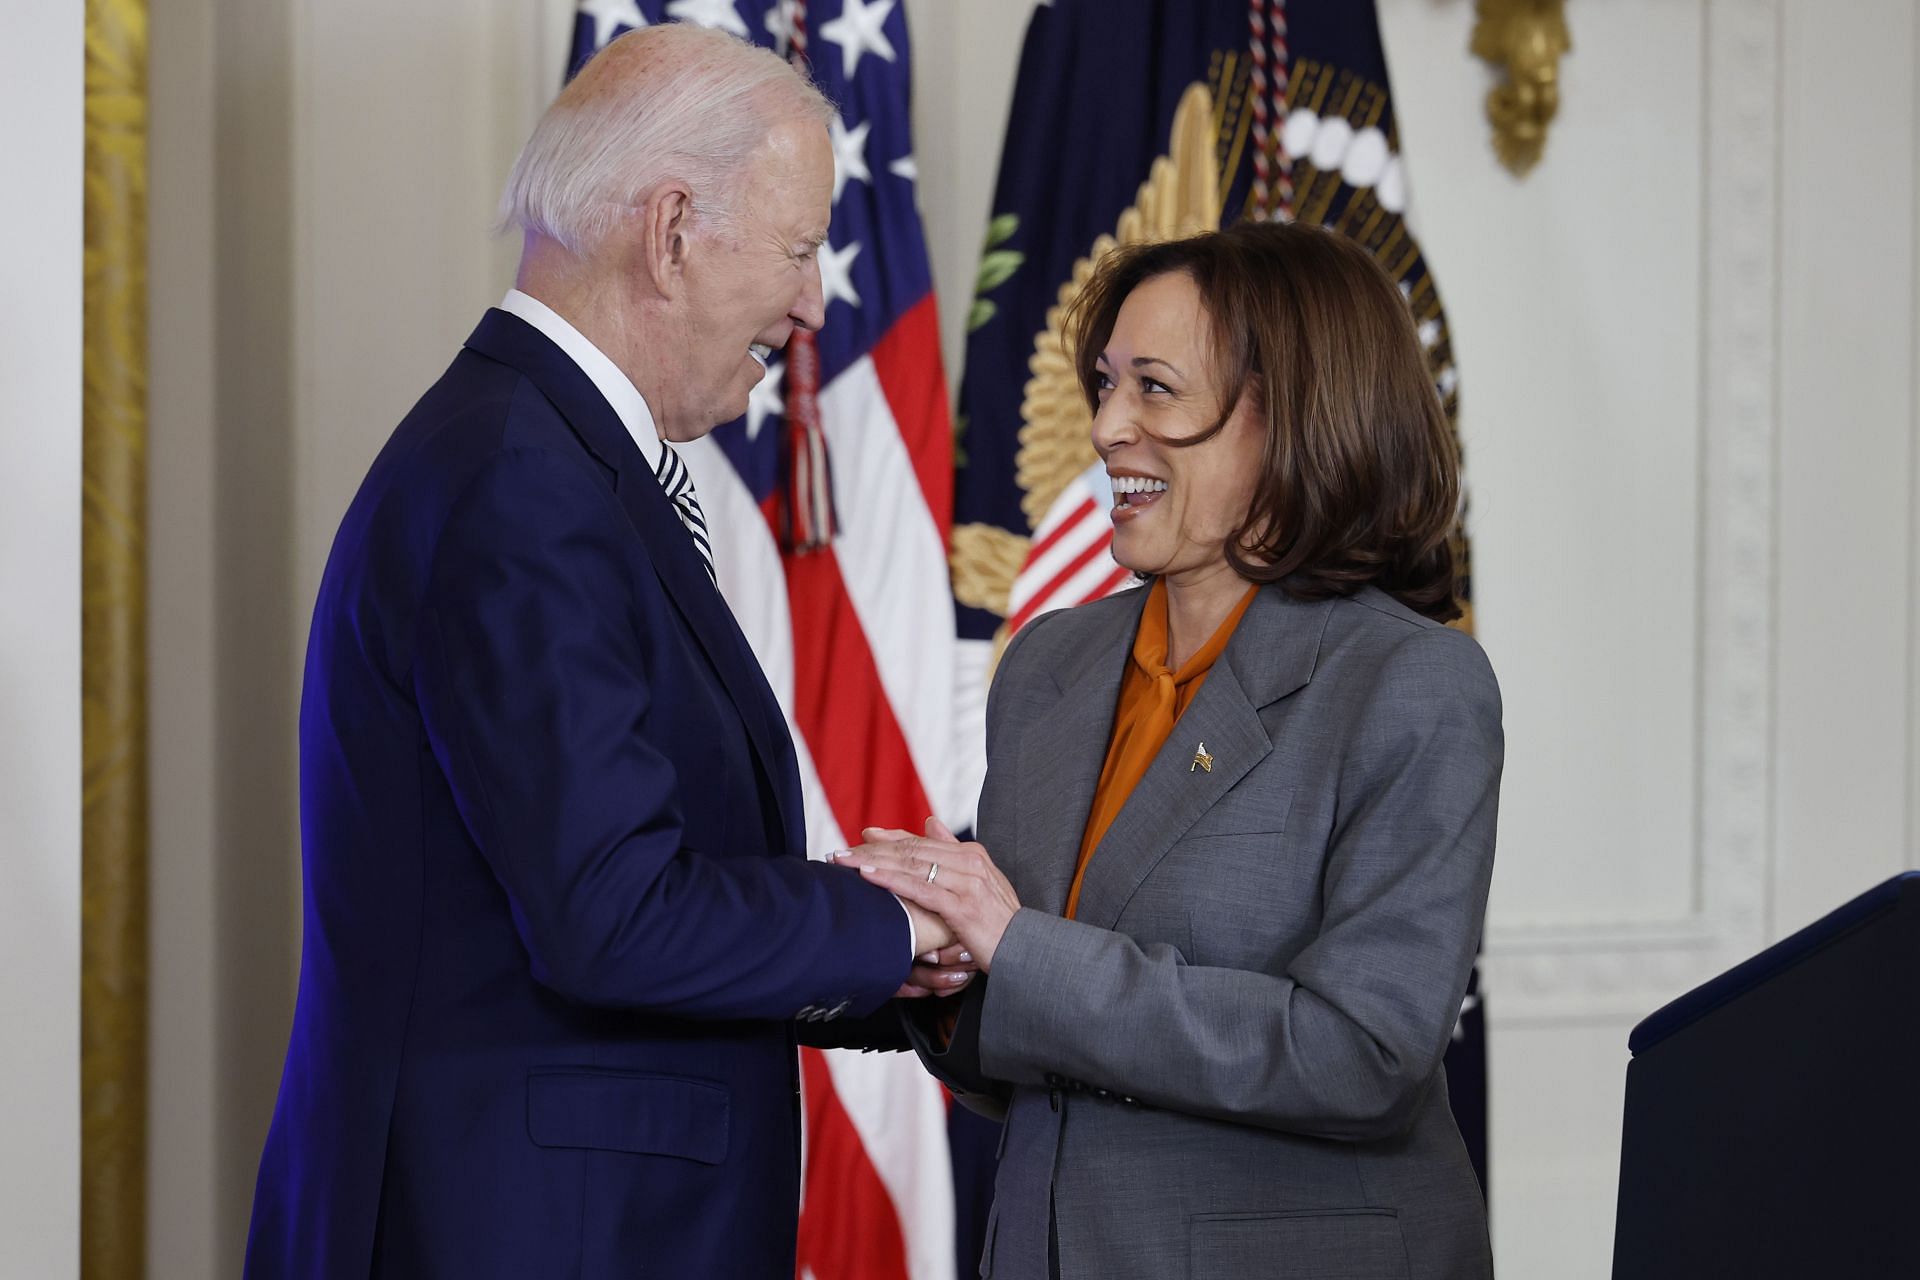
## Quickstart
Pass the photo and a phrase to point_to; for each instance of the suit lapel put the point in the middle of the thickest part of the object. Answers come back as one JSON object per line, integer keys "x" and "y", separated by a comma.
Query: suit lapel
{"x": 1271, "y": 655}
{"x": 513, "y": 341}
{"x": 1058, "y": 763}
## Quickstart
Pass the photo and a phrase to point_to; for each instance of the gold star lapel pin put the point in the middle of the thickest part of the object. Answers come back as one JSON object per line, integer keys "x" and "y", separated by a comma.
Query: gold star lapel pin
{"x": 1201, "y": 760}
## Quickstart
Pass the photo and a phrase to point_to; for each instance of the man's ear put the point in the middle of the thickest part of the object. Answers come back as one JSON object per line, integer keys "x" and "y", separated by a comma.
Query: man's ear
{"x": 666, "y": 216}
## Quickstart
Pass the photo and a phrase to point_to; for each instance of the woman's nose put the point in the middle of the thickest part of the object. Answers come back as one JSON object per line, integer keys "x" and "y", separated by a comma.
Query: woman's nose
{"x": 1112, "y": 424}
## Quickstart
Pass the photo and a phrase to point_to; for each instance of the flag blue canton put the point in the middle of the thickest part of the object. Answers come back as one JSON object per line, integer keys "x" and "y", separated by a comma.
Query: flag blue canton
{"x": 874, "y": 266}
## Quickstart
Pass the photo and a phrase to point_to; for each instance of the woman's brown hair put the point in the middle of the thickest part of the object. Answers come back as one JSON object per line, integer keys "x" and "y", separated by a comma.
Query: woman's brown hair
{"x": 1360, "y": 476}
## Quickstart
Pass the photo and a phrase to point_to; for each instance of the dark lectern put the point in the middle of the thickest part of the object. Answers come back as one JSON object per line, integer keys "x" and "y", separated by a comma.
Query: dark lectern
{"x": 1773, "y": 1115}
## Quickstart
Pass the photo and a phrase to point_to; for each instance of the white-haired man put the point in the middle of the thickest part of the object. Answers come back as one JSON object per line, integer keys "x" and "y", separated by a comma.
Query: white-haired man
{"x": 560, "y": 928}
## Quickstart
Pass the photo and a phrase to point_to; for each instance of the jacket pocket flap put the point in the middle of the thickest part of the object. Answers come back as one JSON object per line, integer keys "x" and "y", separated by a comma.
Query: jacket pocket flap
{"x": 1330, "y": 1244}
{"x": 605, "y": 1110}
{"x": 1244, "y": 811}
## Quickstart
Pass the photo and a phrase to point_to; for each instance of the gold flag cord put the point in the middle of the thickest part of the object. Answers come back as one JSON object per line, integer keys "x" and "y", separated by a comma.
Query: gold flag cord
{"x": 113, "y": 967}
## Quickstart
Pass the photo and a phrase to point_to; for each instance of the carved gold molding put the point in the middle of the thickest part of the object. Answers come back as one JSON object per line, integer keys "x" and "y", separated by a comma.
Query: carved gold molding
{"x": 1525, "y": 40}
{"x": 113, "y": 970}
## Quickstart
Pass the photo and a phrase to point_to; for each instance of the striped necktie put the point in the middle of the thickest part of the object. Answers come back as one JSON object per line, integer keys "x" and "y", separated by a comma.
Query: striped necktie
{"x": 677, "y": 482}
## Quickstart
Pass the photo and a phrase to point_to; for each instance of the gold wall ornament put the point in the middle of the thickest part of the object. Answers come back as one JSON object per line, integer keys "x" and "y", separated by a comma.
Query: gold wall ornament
{"x": 984, "y": 562}
{"x": 1525, "y": 39}
{"x": 113, "y": 946}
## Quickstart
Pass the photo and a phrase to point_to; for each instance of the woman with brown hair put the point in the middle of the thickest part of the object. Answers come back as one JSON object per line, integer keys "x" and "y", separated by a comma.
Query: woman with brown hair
{"x": 1238, "y": 825}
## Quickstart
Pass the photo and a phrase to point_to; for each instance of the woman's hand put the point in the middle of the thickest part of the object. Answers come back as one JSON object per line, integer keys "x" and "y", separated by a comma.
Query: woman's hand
{"x": 939, "y": 973}
{"x": 957, "y": 882}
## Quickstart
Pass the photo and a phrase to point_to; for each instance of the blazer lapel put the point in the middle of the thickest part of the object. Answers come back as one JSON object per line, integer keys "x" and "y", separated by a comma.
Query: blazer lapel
{"x": 512, "y": 341}
{"x": 1271, "y": 655}
{"x": 1059, "y": 760}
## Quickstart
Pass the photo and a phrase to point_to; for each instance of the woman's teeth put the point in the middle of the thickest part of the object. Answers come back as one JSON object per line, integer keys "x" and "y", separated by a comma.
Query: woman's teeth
{"x": 1124, "y": 487}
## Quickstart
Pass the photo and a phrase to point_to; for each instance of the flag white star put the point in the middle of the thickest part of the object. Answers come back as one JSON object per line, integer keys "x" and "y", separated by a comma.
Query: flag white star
{"x": 836, "y": 273}
{"x": 858, "y": 30}
{"x": 781, "y": 21}
{"x": 766, "y": 400}
{"x": 610, "y": 15}
{"x": 709, "y": 13}
{"x": 849, "y": 154}
{"x": 904, "y": 167}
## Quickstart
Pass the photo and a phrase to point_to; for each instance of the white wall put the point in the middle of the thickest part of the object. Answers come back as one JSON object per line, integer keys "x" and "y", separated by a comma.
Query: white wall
{"x": 40, "y": 134}
{"x": 1687, "y": 345}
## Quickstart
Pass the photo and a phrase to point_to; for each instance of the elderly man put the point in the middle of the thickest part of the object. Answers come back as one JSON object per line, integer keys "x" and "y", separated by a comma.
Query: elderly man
{"x": 560, "y": 928}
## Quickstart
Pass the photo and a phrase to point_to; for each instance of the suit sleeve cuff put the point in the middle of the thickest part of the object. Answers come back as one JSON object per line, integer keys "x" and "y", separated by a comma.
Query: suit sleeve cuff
{"x": 913, "y": 935}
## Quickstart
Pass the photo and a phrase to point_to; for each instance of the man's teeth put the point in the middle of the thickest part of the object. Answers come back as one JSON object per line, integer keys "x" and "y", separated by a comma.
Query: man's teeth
{"x": 761, "y": 352}
{"x": 1137, "y": 484}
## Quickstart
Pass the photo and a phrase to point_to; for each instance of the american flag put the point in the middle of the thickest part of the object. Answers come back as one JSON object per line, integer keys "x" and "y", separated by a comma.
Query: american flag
{"x": 857, "y": 635}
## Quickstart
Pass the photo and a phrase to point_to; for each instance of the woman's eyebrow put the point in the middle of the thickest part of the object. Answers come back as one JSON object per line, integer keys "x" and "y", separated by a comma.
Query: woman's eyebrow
{"x": 1141, "y": 362}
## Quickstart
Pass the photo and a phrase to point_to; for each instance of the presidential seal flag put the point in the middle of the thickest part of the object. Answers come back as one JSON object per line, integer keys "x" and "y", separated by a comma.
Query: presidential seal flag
{"x": 829, "y": 505}
{"x": 1136, "y": 120}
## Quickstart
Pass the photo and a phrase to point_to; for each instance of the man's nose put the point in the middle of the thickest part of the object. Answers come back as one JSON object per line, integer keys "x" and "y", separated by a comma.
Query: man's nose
{"x": 810, "y": 308}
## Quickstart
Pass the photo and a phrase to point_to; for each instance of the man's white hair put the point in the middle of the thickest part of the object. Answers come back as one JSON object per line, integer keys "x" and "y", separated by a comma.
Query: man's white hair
{"x": 671, "y": 101}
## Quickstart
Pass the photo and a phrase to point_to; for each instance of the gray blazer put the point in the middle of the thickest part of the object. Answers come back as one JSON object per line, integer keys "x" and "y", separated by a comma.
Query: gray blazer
{"x": 1229, "y": 1063}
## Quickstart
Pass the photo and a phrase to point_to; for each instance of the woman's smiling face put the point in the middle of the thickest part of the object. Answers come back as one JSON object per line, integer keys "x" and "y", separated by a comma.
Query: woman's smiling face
{"x": 1174, "y": 507}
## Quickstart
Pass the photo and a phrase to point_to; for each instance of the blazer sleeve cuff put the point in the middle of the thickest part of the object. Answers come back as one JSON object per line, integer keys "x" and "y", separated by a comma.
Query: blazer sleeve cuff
{"x": 1018, "y": 1019}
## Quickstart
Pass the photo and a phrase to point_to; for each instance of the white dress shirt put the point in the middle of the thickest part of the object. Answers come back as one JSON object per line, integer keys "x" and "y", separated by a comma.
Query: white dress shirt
{"x": 613, "y": 385}
{"x": 618, "y": 390}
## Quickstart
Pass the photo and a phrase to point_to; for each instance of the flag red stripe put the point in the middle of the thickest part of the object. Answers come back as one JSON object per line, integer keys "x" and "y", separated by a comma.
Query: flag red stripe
{"x": 850, "y": 1230}
{"x": 1108, "y": 587}
{"x": 1060, "y": 530}
{"x": 842, "y": 708}
{"x": 907, "y": 362}
{"x": 1041, "y": 597}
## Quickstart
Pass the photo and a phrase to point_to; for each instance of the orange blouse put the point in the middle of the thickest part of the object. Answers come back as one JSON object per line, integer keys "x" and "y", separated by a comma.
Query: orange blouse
{"x": 1152, "y": 700}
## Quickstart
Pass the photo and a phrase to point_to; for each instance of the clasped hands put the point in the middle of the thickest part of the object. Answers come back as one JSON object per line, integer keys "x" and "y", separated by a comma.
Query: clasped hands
{"x": 959, "y": 901}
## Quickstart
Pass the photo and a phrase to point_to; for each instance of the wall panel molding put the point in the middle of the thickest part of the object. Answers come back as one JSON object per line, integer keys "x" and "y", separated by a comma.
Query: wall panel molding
{"x": 1605, "y": 968}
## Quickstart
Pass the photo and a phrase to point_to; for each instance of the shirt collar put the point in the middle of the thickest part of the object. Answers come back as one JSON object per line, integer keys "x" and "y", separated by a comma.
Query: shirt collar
{"x": 1151, "y": 641}
{"x": 615, "y": 386}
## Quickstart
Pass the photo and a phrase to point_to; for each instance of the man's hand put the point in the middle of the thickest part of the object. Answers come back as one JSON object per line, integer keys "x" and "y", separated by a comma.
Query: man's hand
{"x": 930, "y": 932}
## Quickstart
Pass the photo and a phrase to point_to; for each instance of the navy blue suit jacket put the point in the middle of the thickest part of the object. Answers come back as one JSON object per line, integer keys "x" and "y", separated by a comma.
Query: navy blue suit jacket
{"x": 559, "y": 921}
